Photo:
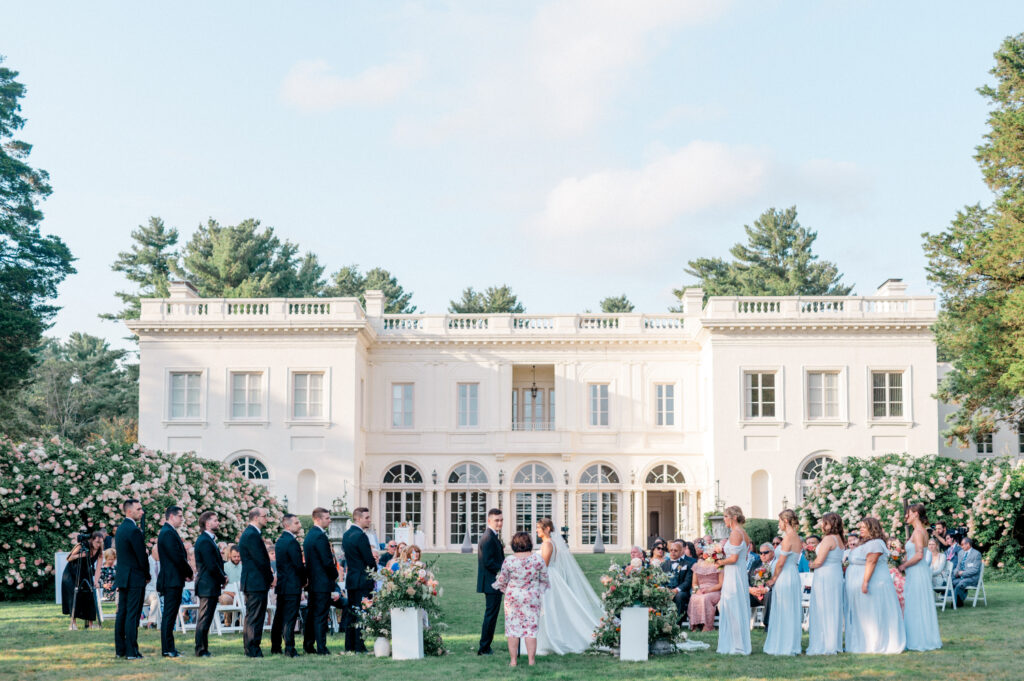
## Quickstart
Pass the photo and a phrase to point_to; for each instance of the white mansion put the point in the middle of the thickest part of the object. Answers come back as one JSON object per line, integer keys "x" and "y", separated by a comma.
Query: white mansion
{"x": 627, "y": 425}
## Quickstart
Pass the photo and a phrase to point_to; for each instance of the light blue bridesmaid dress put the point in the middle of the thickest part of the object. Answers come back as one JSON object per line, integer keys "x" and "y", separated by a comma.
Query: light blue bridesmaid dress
{"x": 874, "y": 621}
{"x": 734, "y": 607}
{"x": 825, "y": 617}
{"x": 919, "y": 605}
{"x": 784, "y": 625}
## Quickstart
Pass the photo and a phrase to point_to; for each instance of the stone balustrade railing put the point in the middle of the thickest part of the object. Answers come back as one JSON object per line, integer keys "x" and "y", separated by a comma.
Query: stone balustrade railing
{"x": 803, "y": 308}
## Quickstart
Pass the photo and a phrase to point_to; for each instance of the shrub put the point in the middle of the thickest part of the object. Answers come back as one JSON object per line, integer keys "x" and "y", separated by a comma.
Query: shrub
{"x": 995, "y": 519}
{"x": 50, "y": 490}
{"x": 761, "y": 530}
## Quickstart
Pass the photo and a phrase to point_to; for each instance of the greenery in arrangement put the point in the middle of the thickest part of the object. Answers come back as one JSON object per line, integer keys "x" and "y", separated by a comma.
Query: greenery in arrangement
{"x": 412, "y": 586}
{"x": 630, "y": 586}
{"x": 51, "y": 489}
{"x": 983, "y": 495}
{"x": 975, "y": 265}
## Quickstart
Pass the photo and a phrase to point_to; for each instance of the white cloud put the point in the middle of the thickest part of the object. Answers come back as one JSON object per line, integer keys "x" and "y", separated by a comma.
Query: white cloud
{"x": 311, "y": 86}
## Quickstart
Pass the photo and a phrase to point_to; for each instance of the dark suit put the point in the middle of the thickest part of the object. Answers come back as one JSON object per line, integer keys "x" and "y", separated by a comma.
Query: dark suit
{"x": 130, "y": 578}
{"x": 490, "y": 556}
{"x": 291, "y": 577}
{"x": 256, "y": 580}
{"x": 209, "y": 582}
{"x": 358, "y": 558}
{"x": 322, "y": 573}
{"x": 767, "y": 600}
{"x": 174, "y": 572}
{"x": 680, "y": 576}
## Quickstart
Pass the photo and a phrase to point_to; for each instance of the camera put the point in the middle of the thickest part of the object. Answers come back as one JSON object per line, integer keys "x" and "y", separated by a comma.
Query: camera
{"x": 83, "y": 537}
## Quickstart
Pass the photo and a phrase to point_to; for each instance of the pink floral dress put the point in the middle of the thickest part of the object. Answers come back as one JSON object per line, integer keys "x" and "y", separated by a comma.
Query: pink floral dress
{"x": 523, "y": 581}
{"x": 702, "y": 606}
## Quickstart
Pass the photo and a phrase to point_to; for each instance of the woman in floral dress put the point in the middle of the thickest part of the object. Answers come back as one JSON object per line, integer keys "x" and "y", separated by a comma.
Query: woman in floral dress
{"x": 707, "y": 591}
{"x": 523, "y": 579}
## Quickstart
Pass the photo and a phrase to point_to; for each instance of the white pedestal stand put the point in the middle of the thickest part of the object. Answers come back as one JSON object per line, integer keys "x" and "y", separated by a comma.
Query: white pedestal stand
{"x": 633, "y": 634}
{"x": 406, "y": 634}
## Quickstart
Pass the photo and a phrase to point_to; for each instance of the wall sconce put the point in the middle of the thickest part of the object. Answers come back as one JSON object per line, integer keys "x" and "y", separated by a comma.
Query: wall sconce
{"x": 632, "y": 476}
{"x": 284, "y": 502}
{"x": 433, "y": 476}
{"x": 565, "y": 476}
{"x": 785, "y": 503}
{"x": 501, "y": 476}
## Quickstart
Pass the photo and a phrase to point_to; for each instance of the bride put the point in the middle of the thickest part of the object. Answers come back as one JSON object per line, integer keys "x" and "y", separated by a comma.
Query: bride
{"x": 570, "y": 610}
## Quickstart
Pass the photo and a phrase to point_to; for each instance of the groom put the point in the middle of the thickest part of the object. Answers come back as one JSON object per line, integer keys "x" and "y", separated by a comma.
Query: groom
{"x": 490, "y": 556}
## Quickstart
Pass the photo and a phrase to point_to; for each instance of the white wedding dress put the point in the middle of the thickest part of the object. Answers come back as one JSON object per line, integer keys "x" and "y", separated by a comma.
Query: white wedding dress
{"x": 570, "y": 610}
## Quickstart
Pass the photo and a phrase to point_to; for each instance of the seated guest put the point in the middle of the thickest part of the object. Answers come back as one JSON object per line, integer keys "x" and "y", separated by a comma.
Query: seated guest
{"x": 233, "y": 569}
{"x": 689, "y": 549}
{"x": 706, "y": 592}
{"x": 412, "y": 555}
{"x": 658, "y": 552}
{"x": 107, "y": 573}
{"x": 389, "y": 553}
{"x": 761, "y": 595}
{"x": 150, "y": 597}
{"x": 680, "y": 577}
{"x": 776, "y": 541}
{"x": 966, "y": 569}
{"x": 637, "y": 553}
{"x": 810, "y": 544}
{"x": 937, "y": 560}
{"x": 852, "y": 542}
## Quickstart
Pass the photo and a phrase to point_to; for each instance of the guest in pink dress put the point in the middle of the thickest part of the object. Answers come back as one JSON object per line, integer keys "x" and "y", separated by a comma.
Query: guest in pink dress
{"x": 523, "y": 579}
{"x": 707, "y": 590}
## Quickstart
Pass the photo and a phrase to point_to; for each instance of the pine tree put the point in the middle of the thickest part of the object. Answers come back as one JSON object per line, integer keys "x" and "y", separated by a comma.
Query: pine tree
{"x": 616, "y": 304}
{"x": 350, "y": 282}
{"x": 493, "y": 300}
{"x": 150, "y": 263}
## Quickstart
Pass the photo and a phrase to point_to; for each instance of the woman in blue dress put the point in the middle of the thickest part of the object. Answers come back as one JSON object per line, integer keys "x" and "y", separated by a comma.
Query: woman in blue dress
{"x": 825, "y": 616}
{"x": 734, "y": 606}
{"x": 784, "y": 626}
{"x": 922, "y": 624}
{"x": 874, "y": 620}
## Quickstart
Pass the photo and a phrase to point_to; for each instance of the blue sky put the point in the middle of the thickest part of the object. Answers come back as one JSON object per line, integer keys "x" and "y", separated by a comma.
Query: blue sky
{"x": 572, "y": 149}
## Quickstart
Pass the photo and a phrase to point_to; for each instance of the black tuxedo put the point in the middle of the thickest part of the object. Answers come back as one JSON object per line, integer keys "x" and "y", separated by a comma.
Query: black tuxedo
{"x": 130, "y": 578}
{"x": 174, "y": 572}
{"x": 209, "y": 582}
{"x": 256, "y": 580}
{"x": 358, "y": 558}
{"x": 291, "y": 577}
{"x": 490, "y": 556}
{"x": 323, "y": 579}
{"x": 680, "y": 576}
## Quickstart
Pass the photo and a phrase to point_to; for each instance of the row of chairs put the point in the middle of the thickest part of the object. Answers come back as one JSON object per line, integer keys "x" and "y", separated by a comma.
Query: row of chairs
{"x": 944, "y": 594}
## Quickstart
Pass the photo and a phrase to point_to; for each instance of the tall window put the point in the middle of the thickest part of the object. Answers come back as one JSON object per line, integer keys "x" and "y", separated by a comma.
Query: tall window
{"x": 529, "y": 411}
{"x": 468, "y": 405}
{"x": 467, "y": 506}
{"x": 308, "y": 395}
{"x": 665, "y": 404}
{"x": 759, "y": 394}
{"x": 531, "y": 507}
{"x": 984, "y": 443}
{"x": 185, "y": 395}
{"x": 246, "y": 395}
{"x": 551, "y": 409}
{"x": 809, "y": 473}
{"x": 251, "y": 468}
{"x": 1020, "y": 438}
{"x": 599, "y": 404}
{"x": 823, "y": 395}
{"x": 402, "y": 505}
{"x": 665, "y": 474}
{"x": 401, "y": 405}
{"x": 886, "y": 394}
{"x": 599, "y": 509}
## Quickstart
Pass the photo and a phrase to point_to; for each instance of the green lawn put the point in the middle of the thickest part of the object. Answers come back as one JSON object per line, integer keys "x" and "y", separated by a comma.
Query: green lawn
{"x": 980, "y": 643}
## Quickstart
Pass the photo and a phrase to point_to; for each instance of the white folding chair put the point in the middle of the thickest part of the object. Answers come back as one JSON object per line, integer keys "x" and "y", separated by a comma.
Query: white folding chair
{"x": 237, "y": 608}
{"x": 942, "y": 592}
{"x": 948, "y": 594}
{"x": 757, "y": 617}
{"x": 104, "y": 615}
{"x": 978, "y": 590}
{"x": 183, "y": 625}
{"x": 806, "y": 580}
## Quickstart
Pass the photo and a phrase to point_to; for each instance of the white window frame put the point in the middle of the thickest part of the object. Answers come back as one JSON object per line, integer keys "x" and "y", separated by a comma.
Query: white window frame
{"x": 672, "y": 413}
{"x": 989, "y": 444}
{"x": 842, "y": 417}
{"x": 608, "y": 409}
{"x": 229, "y": 389}
{"x": 471, "y": 409}
{"x": 908, "y": 395}
{"x": 321, "y": 420}
{"x": 203, "y": 392}
{"x": 391, "y": 412}
{"x": 780, "y": 394}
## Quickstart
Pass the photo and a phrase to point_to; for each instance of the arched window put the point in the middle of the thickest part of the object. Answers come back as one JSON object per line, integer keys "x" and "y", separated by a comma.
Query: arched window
{"x": 599, "y": 510}
{"x": 403, "y": 474}
{"x": 665, "y": 474}
{"x": 467, "y": 508}
{"x": 599, "y": 474}
{"x": 251, "y": 468}
{"x": 534, "y": 474}
{"x": 810, "y": 472}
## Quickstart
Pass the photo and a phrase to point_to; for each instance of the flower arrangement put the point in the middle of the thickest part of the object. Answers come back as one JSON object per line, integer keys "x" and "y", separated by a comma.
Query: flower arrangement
{"x": 811, "y": 555}
{"x": 761, "y": 577}
{"x": 896, "y": 553}
{"x": 643, "y": 586}
{"x": 412, "y": 586}
{"x": 713, "y": 553}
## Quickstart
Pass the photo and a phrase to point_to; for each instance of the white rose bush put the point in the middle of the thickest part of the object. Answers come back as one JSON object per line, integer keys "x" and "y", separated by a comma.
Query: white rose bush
{"x": 52, "y": 489}
{"x": 977, "y": 494}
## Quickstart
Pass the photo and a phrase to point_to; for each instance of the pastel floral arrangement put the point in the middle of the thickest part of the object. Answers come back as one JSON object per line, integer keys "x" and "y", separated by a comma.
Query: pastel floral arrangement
{"x": 413, "y": 585}
{"x": 643, "y": 587}
{"x": 712, "y": 554}
{"x": 896, "y": 553}
{"x": 761, "y": 577}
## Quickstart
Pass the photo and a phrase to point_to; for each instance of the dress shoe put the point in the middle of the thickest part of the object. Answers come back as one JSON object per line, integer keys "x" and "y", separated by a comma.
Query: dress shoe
{"x": 324, "y": 652}
{"x": 205, "y": 653}
{"x": 258, "y": 653}
{"x": 485, "y": 652}
{"x": 290, "y": 653}
{"x": 134, "y": 657}
{"x": 173, "y": 653}
{"x": 309, "y": 651}
{"x": 275, "y": 652}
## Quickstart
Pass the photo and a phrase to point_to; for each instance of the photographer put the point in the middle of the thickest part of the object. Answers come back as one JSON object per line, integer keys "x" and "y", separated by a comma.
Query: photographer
{"x": 81, "y": 574}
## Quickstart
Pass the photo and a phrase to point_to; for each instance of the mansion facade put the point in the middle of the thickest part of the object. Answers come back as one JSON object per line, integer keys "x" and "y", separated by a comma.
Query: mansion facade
{"x": 623, "y": 426}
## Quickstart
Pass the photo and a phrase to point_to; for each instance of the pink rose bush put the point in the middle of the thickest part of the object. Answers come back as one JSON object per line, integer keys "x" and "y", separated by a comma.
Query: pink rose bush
{"x": 51, "y": 489}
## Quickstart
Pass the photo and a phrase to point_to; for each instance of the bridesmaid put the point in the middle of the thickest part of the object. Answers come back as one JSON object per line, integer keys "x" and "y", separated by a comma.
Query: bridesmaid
{"x": 825, "y": 617}
{"x": 918, "y": 599}
{"x": 784, "y": 625}
{"x": 874, "y": 620}
{"x": 734, "y": 607}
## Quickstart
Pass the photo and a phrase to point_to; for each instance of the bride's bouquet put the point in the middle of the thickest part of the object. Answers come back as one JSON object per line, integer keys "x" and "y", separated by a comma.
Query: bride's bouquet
{"x": 411, "y": 586}
{"x": 644, "y": 587}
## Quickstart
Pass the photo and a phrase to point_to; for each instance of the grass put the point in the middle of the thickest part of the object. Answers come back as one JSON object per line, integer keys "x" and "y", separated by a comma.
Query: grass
{"x": 978, "y": 644}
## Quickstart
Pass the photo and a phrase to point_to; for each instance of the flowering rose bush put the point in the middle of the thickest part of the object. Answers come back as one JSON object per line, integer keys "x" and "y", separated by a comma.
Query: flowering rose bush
{"x": 412, "y": 586}
{"x": 52, "y": 489}
{"x": 644, "y": 587}
{"x": 979, "y": 494}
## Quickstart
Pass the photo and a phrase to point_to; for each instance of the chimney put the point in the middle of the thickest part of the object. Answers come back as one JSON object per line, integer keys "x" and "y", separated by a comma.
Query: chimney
{"x": 182, "y": 290}
{"x": 892, "y": 288}
{"x": 374, "y": 304}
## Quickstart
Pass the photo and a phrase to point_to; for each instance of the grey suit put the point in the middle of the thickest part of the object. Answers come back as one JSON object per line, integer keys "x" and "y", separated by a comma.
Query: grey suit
{"x": 969, "y": 563}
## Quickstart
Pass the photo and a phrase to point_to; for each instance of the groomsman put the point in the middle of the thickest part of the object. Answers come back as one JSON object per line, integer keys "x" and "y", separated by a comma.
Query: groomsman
{"x": 323, "y": 579}
{"x": 130, "y": 578}
{"x": 680, "y": 577}
{"x": 490, "y": 556}
{"x": 210, "y": 579}
{"x": 358, "y": 556}
{"x": 257, "y": 579}
{"x": 170, "y": 581}
{"x": 291, "y": 577}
